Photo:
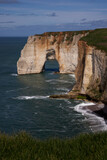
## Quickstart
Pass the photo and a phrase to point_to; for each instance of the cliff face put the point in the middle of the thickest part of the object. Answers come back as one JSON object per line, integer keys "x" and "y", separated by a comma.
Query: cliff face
{"x": 91, "y": 72}
{"x": 60, "y": 46}
{"x": 86, "y": 57}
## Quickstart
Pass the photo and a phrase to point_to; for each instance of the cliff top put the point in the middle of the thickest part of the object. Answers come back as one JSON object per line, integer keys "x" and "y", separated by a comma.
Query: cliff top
{"x": 97, "y": 38}
{"x": 62, "y": 33}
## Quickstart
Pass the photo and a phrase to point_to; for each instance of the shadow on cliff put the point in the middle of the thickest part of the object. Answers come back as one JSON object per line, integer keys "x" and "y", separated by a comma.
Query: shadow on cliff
{"x": 102, "y": 112}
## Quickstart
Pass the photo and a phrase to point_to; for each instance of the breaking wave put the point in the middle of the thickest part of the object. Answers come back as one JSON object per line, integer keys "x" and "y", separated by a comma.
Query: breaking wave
{"x": 31, "y": 97}
{"x": 14, "y": 74}
{"x": 96, "y": 123}
{"x": 72, "y": 75}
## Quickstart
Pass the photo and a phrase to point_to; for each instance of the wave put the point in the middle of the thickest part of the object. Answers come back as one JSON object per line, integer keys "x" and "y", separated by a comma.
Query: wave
{"x": 58, "y": 80}
{"x": 96, "y": 123}
{"x": 14, "y": 74}
{"x": 52, "y": 73}
{"x": 31, "y": 97}
{"x": 15, "y": 90}
{"x": 72, "y": 75}
{"x": 63, "y": 89}
{"x": 67, "y": 101}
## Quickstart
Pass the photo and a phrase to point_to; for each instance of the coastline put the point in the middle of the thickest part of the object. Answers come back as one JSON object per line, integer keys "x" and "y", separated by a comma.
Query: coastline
{"x": 98, "y": 109}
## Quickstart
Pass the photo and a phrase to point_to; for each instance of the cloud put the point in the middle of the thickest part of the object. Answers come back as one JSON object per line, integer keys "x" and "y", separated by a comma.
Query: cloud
{"x": 27, "y": 14}
{"x": 27, "y": 30}
{"x": 96, "y": 23}
{"x": 52, "y": 15}
{"x": 8, "y": 1}
{"x": 7, "y": 22}
{"x": 17, "y": 13}
{"x": 84, "y": 19}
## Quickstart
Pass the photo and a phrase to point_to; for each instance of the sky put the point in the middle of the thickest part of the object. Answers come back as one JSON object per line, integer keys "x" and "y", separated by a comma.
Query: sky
{"x": 29, "y": 17}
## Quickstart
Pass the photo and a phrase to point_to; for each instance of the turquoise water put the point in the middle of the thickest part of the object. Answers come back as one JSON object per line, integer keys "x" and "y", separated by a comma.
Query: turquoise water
{"x": 25, "y": 103}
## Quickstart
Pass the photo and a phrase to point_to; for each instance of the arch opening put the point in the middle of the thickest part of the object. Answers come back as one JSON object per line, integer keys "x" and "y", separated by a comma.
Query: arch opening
{"x": 51, "y": 64}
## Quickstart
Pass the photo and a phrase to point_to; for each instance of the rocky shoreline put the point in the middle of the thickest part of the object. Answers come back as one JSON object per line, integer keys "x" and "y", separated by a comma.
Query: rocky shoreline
{"x": 100, "y": 109}
{"x": 78, "y": 52}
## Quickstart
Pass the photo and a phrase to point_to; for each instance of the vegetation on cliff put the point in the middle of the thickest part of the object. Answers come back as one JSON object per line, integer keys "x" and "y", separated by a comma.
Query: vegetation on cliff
{"x": 69, "y": 35}
{"x": 97, "y": 38}
{"x": 62, "y": 33}
{"x": 83, "y": 147}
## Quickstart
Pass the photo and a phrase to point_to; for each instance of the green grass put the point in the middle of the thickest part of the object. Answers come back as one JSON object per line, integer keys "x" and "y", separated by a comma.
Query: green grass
{"x": 97, "y": 38}
{"x": 63, "y": 33}
{"x": 81, "y": 97}
{"x": 24, "y": 147}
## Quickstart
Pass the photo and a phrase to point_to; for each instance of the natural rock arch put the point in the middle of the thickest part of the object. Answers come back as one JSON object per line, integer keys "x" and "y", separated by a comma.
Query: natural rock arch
{"x": 38, "y": 49}
{"x": 51, "y": 55}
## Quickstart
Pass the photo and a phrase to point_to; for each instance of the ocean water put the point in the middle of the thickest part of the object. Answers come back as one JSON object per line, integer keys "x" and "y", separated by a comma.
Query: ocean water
{"x": 25, "y": 103}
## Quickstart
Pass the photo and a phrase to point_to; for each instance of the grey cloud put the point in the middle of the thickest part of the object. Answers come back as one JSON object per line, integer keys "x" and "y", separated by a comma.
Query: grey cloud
{"x": 27, "y": 14}
{"x": 18, "y": 14}
{"x": 38, "y": 29}
{"x": 52, "y": 15}
{"x": 97, "y": 23}
{"x": 8, "y": 1}
{"x": 4, "y": 14}
{"x": 84, "y": 19}
{"x": 7, "y": 22}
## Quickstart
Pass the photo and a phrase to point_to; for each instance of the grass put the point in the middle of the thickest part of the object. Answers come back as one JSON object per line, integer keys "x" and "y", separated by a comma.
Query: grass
{"x": 81, "y": 97}
{"x": 69, "y": 35}
{"x": 62, "y": 33}
{"x": 97, "y": 38}
{"x": 24, "y": 147}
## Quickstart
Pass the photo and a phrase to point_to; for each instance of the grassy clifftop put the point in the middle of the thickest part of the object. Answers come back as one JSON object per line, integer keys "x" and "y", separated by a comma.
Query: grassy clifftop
{"x": 69, "y": 33}
{"x": 97, "y": 38}
{"x": 24, "y": 147}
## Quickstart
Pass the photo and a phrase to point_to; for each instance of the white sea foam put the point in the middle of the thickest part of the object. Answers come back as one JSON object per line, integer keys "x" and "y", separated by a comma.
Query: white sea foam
{"x": 14, "y": 90}
{"x": 14, "y": 74}
{"x": 67, "y": 101}
{"x": 63, "y": 81}
{"x": 72, "y": 75}
{"x": 58, "y": 80}
{"x": 50, "y": 80}
{"x": 96, "y": 123}
{"x": 51, "y": 73}
{"x": 62, "y": 89}
{"x": 31, "y": 97}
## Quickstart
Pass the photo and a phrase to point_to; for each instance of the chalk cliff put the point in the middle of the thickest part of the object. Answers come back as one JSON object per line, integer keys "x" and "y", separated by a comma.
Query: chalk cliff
{"x": 62, "y": 46}
{"x": 91, "y": 71}
{"x": 87, "y": 57}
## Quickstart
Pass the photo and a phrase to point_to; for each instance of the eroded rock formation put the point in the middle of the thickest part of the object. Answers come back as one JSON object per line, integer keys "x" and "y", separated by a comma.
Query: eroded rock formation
{"x": 91, "y": 72}
{"x": 89, "y": 62}
{"x": 62, "y": 46}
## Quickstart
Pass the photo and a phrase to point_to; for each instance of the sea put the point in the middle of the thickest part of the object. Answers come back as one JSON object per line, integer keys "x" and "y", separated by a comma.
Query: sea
{"x": 25, "y": 104}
